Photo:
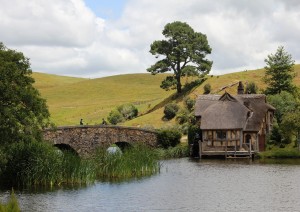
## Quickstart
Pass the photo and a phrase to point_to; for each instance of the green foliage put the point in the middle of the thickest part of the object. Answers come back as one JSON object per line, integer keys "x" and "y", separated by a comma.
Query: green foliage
{"x": 134, "y": 162}
{"x": 189, "y": 103}
{"x": 277, "y": 152}
{"x": 183, "y": 51}
{"x": 11, "y": 206}
{"x": 122, "y": 113}
{"x": 284, "y": 103}
{"x": 179, "y": 151}
{"x": 22, "y": 111}
{"x": 207, "y": 88}
{"x": 170, "y": 110}
{"x": 169, "y": 137}
{"x": 193, "y": 132}
{"x": 251, "y": 88}
{"x": 115, "y": 117}
{"x": 38, "y": 163}
{"x": 279, "y": 72}
{"x": 128, "y": 111}
{"x": 183, "y": 116}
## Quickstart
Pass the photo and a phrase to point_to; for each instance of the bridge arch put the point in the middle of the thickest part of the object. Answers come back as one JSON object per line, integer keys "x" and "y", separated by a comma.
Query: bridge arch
{"x": 86, "y": 139}
{"x": 66, "y": 147}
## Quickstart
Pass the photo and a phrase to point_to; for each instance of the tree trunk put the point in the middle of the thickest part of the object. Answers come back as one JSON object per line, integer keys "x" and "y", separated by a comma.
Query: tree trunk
{"x": 179, "y": 90}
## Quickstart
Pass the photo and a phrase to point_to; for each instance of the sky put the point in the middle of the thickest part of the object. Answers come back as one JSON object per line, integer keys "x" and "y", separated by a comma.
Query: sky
{"x": 98, "y": 38}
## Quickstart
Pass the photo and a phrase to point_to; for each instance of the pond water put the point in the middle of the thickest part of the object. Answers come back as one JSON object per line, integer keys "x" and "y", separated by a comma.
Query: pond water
{"x": 183, "y": 185}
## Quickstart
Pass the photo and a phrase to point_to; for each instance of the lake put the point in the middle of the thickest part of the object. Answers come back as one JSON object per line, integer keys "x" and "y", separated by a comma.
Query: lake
{"x": 183, "y": 185}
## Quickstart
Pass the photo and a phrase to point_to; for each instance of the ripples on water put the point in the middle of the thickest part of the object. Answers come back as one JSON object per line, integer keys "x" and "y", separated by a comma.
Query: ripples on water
{"x": 183, "y": 185}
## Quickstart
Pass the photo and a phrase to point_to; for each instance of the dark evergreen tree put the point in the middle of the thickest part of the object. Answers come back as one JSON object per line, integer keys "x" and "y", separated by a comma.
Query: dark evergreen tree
{"x": 279, "y": 72}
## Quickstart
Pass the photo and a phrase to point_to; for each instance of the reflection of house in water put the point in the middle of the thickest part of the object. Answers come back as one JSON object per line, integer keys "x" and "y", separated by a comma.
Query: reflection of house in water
{"x": 233, "y": 126}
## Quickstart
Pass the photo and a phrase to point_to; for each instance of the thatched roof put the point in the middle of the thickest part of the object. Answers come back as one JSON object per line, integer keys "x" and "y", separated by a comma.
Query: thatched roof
{"x": 246, "y": 111}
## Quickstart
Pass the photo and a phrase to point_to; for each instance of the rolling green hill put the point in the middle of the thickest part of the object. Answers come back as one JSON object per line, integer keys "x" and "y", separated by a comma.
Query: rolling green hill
{"x": 70, "y": 99}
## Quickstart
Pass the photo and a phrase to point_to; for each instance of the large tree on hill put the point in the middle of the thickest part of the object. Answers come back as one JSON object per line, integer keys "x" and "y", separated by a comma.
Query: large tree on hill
{"x": 279, "y": 72}
{"x": 183, "y": 51}
{"x": 22, "y": 111}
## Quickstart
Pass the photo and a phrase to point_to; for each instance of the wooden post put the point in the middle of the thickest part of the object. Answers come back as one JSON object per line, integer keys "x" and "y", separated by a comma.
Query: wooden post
{"x": 226, "y": 148}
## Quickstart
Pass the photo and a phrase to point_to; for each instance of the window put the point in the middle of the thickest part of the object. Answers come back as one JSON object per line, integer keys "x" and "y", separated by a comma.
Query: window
{"x": 221, "y": 135}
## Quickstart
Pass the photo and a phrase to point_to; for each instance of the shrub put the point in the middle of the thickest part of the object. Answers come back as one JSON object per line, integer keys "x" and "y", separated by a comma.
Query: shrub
{"x": 170, "y": 110}
{"x": 193, "y": 132}
{"x": 168, "y": 137}
{"x": 128, "y": 111}
{"x": 189, "y": 103}
{"x": 115, "y": 117}
{"x": 207, "y": 88}
{"x": 251, "y": 88}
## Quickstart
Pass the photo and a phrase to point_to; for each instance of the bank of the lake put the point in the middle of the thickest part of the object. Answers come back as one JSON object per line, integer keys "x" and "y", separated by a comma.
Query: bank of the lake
{"x": 182, "y": 185}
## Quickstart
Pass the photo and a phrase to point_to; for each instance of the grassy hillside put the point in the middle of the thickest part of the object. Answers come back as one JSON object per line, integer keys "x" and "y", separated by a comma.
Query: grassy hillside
{"x": 70, "y": 99}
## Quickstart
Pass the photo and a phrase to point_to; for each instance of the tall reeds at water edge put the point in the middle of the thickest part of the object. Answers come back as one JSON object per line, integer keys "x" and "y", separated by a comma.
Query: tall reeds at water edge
{"x": 37, "y": 163}
{"x": 135, "y": 161}
{"x": 11, "y": 206}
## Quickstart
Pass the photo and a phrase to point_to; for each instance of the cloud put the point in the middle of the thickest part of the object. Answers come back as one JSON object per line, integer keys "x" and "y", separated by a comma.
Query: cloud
{"x": 66, "y": 37}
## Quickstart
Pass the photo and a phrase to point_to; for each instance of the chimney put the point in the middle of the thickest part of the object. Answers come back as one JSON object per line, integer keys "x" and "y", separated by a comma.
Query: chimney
{"x": 240, "y": 88}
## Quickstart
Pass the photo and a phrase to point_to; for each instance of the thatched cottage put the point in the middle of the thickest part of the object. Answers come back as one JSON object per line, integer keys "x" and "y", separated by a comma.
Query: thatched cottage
{"x": 233, "y": 125}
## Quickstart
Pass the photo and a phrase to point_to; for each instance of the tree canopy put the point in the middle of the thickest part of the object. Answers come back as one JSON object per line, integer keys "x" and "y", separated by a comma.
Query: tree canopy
{"x": 22, "y": 111}
{"x": 183, "y": 51}
{"x": 279, "y": 72}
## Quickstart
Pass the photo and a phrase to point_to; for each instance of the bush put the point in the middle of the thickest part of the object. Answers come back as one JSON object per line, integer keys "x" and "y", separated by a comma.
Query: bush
{"x": 251, "y": 88}
{"x": 207, "y": 88}
{"x": 128, "y": 111}
{"x": 194, "y": 132}
{"x": 115, "y": 117}
{"x": 189, "y": 103}
{"x": 170, "y": 110}
{"x": 168, "y": 137}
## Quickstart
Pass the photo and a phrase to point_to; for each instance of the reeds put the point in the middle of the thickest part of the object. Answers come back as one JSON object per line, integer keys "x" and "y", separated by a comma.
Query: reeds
{"x": 179, "y": 151}
{"x": 11, "y": 206}
{"x": 37, "y": 163}
{"x": 136, "y": 161}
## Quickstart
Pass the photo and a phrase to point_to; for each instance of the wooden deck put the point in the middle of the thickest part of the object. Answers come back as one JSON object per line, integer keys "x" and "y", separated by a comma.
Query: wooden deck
{"x": 226, "y": 151}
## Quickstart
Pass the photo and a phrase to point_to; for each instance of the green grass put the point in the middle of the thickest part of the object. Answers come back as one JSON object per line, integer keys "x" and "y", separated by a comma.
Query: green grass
{"x": 276, "y": 152}
{"x": 93, "y": 99}
{"x": 70, "y": 99}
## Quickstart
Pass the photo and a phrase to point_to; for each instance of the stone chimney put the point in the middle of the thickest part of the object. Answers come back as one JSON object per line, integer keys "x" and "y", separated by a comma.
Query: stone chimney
{"x": 240, "y": 88}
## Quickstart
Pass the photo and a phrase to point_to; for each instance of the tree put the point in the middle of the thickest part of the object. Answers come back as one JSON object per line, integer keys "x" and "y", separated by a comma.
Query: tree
{"x": 183, "y": 51}
{"x": 23, "y": 113}
{"x": 279, "y": 72}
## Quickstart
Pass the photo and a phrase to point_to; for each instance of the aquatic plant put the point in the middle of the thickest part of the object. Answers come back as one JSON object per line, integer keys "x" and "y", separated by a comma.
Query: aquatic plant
{"x": 133, "y": 162}
{"x": 11, "y": 206}
{"x": 179, "y": 151}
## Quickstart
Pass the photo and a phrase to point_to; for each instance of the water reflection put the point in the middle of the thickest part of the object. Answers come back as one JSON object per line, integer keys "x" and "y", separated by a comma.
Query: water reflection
{"x": 183, "y": 185}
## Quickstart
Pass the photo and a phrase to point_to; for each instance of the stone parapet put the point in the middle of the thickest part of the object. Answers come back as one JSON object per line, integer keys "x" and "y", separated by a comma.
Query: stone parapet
{"x": 85, "y": 139}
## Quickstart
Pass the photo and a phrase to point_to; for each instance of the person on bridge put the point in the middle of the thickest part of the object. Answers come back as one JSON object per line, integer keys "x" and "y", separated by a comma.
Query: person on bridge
{"x": 104, "y": 122}
{"x": 81, "y": 122}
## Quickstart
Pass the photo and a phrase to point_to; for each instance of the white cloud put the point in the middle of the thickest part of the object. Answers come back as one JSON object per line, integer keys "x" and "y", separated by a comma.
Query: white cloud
{"x": 65, "y": 37}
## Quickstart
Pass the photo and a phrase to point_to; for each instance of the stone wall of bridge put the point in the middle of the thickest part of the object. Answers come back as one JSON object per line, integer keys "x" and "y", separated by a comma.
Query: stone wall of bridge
{"x": 85, "y": 139}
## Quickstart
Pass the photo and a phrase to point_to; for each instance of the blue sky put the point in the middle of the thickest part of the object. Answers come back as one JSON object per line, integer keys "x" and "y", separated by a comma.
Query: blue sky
{"x": 108, "y": 9}
{"x": 90, "y": 38}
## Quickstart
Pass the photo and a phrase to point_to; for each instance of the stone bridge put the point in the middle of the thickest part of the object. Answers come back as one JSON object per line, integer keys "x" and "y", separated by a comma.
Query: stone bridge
{"x": 85, "y": 139}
